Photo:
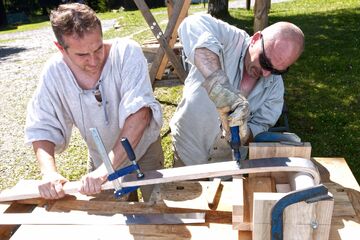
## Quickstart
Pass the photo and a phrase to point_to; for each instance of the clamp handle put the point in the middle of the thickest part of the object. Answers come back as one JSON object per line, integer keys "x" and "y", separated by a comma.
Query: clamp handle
{"x": 129, "y": 150}
{"x": 235, "y": 143}
{"x": 131, "y": 155}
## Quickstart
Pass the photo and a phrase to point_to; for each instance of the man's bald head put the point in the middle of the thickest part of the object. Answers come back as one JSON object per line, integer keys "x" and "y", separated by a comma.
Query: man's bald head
{"x": 285, "y": 36}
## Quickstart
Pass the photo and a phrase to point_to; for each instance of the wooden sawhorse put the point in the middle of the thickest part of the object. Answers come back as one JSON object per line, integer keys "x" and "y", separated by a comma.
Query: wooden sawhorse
{"x": 177, "y": 12}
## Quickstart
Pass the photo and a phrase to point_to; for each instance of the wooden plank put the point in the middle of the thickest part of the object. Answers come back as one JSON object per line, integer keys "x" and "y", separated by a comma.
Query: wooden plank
{"x": 83, "y": 218}
{"x": 298, "y": 218}
{"x": 336, "y": 170}
{"x": 238, "y": 202}
{"x": 274, "y": 149}
{"x": 212, "y": 190}
{"x": 144, "y": 232}
{"x": 256, "y": 185}
{"x": 338, "y": 178}
{"x": 181, "y": 174}
{"x": 7, "y": 230}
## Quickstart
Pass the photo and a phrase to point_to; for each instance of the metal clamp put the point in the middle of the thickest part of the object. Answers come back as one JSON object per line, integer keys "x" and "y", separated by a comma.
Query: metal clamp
{"x": 309, "y": 195}
{"x": 115, "y": 175}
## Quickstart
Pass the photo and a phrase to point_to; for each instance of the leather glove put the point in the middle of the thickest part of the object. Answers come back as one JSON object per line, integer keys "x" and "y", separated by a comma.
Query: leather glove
{"x": 227, "y": 99}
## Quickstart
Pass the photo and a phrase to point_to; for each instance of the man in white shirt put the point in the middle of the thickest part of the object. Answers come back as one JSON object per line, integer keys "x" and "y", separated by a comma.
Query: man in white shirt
{"x": 232, "y": 75}
{"x": 92, "y": 84}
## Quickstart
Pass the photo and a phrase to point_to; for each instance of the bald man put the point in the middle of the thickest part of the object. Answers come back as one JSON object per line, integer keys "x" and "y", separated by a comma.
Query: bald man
{"x": 232, "y": 75}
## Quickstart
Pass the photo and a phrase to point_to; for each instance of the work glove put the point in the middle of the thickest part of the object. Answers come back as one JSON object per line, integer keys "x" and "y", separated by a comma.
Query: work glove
{"x": 228, "y": 100}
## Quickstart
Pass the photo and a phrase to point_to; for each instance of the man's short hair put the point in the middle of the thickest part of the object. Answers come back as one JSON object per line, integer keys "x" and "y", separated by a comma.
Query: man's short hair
{"x": 73, "y": 18}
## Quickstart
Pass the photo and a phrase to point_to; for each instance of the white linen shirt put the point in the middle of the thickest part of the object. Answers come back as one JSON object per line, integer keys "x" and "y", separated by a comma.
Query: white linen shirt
{"x": 195, "y": 125}
{"x": 59, "y": 103}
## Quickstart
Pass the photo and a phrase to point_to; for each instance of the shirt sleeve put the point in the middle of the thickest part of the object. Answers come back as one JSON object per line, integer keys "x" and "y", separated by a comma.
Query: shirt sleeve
{"x": 136, "y": 89}
{"x": 267, "y": 114}
{"x": 45, "y": 118}
{"x": 204, "y": 31}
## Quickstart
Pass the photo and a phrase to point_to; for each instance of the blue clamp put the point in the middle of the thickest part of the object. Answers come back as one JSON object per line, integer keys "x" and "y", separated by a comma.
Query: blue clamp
{"x": 134, "y": 167}
{"x": 309, "y": 195}
{"x": 235, "y": 143}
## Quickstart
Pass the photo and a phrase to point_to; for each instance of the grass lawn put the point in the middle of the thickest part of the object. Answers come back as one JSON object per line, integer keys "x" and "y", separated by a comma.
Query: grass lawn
{"x": 322, "y": 88}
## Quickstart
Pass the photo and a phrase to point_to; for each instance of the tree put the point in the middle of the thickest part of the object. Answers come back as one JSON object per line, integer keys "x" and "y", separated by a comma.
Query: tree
{"x": 3, "y": 20}
{"x": 219, "y": 8}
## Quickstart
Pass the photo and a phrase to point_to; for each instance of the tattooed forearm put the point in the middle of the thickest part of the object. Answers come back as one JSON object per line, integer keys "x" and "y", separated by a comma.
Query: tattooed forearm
{"x": 206, "y": 61}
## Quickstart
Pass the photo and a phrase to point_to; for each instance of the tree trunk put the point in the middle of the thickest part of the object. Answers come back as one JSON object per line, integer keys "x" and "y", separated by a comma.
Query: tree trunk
{"x": 261, "y": 12}
{"x": 3, "y": 19}
{"x": 219, "y": 8}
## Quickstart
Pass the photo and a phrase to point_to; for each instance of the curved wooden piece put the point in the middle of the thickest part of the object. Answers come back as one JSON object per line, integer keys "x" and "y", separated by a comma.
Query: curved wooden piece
{"x": 29, "y": 188}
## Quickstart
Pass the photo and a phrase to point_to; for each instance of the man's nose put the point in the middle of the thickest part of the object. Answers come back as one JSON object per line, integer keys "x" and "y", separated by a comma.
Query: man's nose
{"x": 93, "y": 60}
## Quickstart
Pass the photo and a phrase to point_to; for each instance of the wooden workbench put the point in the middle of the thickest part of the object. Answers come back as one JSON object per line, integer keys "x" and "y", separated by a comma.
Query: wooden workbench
{"x": 335, "y": 174}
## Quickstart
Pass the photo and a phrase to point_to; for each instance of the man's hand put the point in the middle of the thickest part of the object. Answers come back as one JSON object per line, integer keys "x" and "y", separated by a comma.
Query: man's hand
{"x": 51, "y": 186}
{"x": 228, "y": 100}
{"x": 91, "y": 182}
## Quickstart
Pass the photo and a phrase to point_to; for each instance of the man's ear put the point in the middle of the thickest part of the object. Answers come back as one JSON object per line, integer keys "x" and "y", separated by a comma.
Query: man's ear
{"x": 255, "y": 37}
{"x": 61, "y": 48}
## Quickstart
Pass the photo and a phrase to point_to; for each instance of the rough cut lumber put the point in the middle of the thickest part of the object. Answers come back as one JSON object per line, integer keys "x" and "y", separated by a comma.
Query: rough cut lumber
{"x": 184, "y": 173}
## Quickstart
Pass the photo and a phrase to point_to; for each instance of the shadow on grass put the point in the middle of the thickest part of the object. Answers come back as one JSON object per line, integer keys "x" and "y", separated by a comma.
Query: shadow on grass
{"x": 7, "y": 51}
{"x": 323, "y": 86}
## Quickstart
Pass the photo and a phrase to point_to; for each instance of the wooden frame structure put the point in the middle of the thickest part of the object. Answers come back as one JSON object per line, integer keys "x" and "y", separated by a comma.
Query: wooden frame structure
{"x": 177, "y": 12}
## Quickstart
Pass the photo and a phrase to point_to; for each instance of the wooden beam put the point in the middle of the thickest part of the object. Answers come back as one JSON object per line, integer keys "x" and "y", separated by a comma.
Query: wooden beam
{"x": 181, "y": 174}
